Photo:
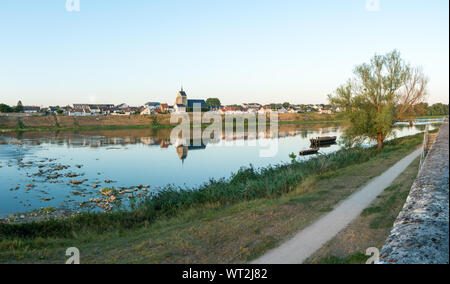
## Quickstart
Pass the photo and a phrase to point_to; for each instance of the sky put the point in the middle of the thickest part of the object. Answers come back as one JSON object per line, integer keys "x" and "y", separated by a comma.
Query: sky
{"x": 135, "y": 51}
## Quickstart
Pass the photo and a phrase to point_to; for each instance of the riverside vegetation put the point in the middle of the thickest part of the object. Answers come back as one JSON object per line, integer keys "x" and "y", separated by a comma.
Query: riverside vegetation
{"x": 223, "y": 221}
{"x": 156, "y": 121}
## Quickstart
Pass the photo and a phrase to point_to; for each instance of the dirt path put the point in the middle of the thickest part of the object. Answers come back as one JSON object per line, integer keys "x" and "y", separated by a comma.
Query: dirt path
{"x": 313, "y": 237}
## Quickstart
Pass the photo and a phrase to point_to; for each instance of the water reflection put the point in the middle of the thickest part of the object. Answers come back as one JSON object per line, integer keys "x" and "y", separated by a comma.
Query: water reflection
{"x": 120, "y": 139}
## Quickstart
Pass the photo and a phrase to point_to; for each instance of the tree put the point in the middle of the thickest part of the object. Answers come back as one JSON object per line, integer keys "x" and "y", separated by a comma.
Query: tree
{"x": 5, "y": 108}
{"x": 213, "y": 102}
{"x": 381, "y": 93}
{"x": 437, "y": 109}
{"x": 286, "y": 105}
{"x": 19, "y": 107}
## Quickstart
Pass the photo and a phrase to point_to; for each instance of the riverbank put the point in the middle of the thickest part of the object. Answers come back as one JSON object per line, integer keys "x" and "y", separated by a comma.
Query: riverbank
{"x": 312, "y": 238}
{"x": 432, "y": 116}
{"x": 418, "y": 236}
{"x": 222, "y": 222}
{"x": 371, "y": 228}
{"x": 111, "y": 122}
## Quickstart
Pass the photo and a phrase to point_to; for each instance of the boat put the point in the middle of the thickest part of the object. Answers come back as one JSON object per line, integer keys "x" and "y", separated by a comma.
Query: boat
{"x": 309, "y": 152}
{"x": 319, "y": 141}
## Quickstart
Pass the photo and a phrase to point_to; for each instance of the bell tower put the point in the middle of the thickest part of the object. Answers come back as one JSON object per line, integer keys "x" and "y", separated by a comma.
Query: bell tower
{"x": 181, "y": 98}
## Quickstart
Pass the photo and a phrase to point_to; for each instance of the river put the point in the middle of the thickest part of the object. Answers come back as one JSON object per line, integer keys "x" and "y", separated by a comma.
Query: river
{"x": 37, "y": 168}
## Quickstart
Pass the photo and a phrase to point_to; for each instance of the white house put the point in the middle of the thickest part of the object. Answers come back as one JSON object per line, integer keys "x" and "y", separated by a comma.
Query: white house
{"x": 148, "y": 111}
{"x": 179, "y": 108}
{"x": 325, "y": 111}
{"x": 79, "y": 112}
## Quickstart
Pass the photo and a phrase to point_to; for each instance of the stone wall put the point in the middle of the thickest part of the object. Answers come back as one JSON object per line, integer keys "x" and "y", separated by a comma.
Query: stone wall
{"x": 421, "y": 231}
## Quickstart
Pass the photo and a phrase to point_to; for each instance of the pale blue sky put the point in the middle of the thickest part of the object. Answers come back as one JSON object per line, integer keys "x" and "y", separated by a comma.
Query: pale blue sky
{"x": 135, "y": 51}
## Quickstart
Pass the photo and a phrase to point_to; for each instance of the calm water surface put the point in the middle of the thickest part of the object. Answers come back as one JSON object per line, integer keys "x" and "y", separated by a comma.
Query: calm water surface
{"x": 36, "y": 168}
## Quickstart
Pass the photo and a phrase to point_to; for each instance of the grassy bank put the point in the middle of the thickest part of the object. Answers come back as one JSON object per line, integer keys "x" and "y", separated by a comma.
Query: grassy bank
{"x": 155, "y": 127}
{"x": 57, "y": 122}
{"x": 372, "y": 227}
{"x": 24, "y": 128}
{"x": 431, "y": 116}
{"x": 225, "y": 221}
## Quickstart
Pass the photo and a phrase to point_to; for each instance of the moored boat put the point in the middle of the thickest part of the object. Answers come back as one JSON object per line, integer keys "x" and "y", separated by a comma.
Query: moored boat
{"x": 323, "y": 141}
{"x": 309, "y": 152}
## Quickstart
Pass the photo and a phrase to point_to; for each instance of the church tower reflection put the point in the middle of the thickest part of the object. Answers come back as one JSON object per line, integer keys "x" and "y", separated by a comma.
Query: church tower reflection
{"x": 182, "y": 152}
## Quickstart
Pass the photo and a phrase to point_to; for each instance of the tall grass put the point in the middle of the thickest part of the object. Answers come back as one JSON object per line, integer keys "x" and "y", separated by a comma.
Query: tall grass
{"x": 246, "y": 184}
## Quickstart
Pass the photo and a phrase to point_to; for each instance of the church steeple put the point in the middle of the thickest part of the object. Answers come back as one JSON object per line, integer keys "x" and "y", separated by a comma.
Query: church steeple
{"x": 182, "y": 97}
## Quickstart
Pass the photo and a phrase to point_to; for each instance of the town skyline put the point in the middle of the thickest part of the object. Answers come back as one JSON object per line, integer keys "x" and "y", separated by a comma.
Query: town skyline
{"x": 140, "y": 51}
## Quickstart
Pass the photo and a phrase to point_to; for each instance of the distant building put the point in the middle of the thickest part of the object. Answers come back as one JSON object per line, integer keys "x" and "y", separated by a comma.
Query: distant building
{"x": 79, "y": 112}
{"x": 122, "y": 106}
{"x": 182, "y": 103}
{"x": 152, "y": 105}
{"x": 31, "y": 109}
{"x": 178, "y": 108}
{"x": 94, "y": 108}
{"x": 264, "y": 110}
{"x": 197, "y": 103}
{"x": 325, "y": 111}
{"x": 181, "y": 98}
{"x": 164, "y": 108}
{"x": 52, "y": 109}
{"x": 148, "y": 111}
{"x": 252, "y": 106}
{"x": 230, "y": 110}
{"x": 101, "y": 106}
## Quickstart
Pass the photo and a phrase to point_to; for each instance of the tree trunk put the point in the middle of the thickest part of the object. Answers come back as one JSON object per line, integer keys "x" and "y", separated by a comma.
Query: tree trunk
{"x": 380, "y": 140}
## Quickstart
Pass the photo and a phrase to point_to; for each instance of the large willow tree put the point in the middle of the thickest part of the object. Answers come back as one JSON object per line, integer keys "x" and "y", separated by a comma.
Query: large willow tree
{"x": 381, "y": 93}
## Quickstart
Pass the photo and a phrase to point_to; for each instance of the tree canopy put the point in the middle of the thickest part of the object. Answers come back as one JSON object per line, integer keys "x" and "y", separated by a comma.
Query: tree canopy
{"x": 19, "y": 107}
{"x": 5, "y": 108}
{"x": 214, "y": 102}
{"x": 437, "y": 109}
{"x": 381, "y": 93}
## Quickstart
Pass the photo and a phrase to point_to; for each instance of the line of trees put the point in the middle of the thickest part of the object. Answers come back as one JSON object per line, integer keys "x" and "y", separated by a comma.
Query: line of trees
{"x": 436, "y": 109}
{"x": 424, "y": 109}
{"x": 6, "y": 108}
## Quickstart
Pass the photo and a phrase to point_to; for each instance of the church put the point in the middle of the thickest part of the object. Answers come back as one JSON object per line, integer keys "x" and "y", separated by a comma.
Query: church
{"x": 182, "y": 104}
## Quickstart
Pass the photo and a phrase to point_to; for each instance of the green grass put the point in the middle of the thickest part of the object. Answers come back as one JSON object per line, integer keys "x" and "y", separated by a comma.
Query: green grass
{"x": 22, "y": 128}
{"x": 155, "y": 125}
{"x": 383, "y": 218}
{"x": 372, "y": 227}
{"x": 431, "y": 116}
{"x": 357, "y": 258}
